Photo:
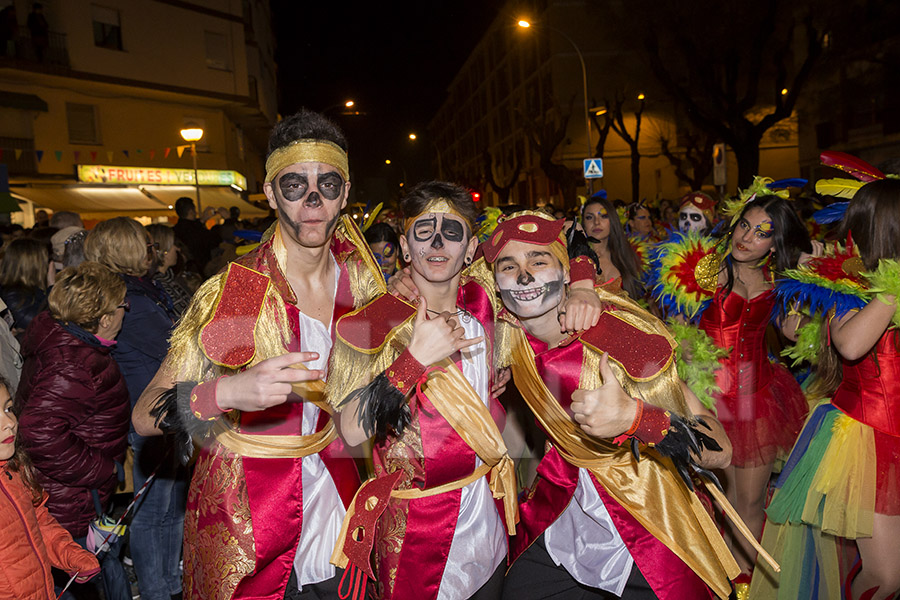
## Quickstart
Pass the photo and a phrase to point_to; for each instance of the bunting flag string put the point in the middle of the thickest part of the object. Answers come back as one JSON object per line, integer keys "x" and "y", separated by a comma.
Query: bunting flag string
{"x": 78, "y": 155}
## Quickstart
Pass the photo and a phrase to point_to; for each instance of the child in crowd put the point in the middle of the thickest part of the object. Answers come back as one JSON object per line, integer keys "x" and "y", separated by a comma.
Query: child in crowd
{"x": 31, "y": 541}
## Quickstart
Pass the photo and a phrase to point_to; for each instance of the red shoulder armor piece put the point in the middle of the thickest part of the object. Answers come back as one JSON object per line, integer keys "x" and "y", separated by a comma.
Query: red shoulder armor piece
{"x": 642, "y": 355}
{"x": 366, "y": 329}
{"x": 227, "y": 338}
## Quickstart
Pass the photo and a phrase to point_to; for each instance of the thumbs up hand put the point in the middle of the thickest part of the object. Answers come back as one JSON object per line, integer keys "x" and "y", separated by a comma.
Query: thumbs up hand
{"x": 608, "y": 411}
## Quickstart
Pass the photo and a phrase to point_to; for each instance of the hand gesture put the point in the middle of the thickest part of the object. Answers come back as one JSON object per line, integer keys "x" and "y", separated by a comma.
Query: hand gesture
{"x": 818, "y": 249}
{"x": 500, "y": 380}
{"x": 265, "y": 384}
{"x": 401, "y": 285}
{"x": 607, "y": 411}
{"x": 580, "y": 311}
{"x": 438, "y": 338}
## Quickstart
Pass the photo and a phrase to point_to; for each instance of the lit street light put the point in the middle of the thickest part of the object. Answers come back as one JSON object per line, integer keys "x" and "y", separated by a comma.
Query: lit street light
{"x": 412, "y": 136}
{"x": 524, "y": 24}
{"x": 192, "y": 133}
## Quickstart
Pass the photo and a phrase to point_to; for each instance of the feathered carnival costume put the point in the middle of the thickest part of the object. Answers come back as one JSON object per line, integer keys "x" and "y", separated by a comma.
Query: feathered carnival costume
{"x": 845, "y": 466}
{"x": 758, "y": 402}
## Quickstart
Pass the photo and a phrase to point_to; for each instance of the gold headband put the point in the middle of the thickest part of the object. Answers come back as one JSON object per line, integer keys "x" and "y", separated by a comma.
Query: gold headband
{"x": 438, "y": 205}
{"x": 305, "y": 151}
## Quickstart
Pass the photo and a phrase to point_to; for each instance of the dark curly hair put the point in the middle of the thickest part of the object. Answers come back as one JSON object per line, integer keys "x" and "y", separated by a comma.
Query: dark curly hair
{"x": 305, "y": 125}
{"x": 418, "y": 197}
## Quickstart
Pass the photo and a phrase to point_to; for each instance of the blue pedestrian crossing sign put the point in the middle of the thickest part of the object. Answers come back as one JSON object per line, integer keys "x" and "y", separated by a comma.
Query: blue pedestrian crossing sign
{"x": 593, "y": 168}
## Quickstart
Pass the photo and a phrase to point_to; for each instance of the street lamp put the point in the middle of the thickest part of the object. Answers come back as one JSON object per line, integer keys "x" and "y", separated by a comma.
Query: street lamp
{"x": 525, "y": 24}
{"x": 192, "y": 133}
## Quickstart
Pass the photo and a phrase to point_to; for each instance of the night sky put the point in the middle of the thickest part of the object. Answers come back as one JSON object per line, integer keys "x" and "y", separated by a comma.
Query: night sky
{"x": 395, "y": 59}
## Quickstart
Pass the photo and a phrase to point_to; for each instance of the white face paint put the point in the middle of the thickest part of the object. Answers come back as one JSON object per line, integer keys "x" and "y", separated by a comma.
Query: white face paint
{"x": 531, "y": 280}
{"x": 691, "y": 218}
{"x": 437, "y": 244}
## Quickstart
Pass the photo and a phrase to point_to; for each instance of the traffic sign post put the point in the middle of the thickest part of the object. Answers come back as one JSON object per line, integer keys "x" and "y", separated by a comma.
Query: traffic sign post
{"x": 593, "y": 168}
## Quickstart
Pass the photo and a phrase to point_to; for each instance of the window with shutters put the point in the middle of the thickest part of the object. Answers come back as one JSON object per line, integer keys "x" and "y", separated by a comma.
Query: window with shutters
{"x": 217, "y": 55}
{"x": 107, "y": 24}
{"x": 84, "y": 125}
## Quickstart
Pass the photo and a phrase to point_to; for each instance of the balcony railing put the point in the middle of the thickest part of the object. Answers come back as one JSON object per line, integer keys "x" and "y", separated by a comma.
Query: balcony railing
{"x": 53, "y": 52}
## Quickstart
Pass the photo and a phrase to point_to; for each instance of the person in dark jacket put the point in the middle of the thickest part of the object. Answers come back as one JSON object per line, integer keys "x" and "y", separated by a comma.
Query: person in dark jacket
{"x": 23, "y": 281}
{"x": 73, "y": 403}
{"x": 157, "y": 525}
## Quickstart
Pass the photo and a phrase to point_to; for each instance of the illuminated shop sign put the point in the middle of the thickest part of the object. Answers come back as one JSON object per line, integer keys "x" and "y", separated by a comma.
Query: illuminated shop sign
{"x": 108, "y": 175}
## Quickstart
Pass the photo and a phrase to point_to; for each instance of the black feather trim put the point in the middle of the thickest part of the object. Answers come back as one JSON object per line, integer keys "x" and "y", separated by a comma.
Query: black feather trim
{"x": 579, "y": 245}
{"x": 383, "y": 409}
{"x": 172, "y": 414}
{"x": 684, "y": 443}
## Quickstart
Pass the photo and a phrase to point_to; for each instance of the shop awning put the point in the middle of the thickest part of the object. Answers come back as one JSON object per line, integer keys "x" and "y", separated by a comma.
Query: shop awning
{"x": 104, "y": 202}
{"x": 22, "y": 101}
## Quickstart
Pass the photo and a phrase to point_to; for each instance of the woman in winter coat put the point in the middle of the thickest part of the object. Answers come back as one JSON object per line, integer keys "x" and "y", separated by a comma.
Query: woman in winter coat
{"x": 73, "y": 402}
{"x": 31, "y": 541}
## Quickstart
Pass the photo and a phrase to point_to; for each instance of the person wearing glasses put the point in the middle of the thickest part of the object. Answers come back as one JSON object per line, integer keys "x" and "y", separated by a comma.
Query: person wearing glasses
{"x": 73, "y": 403}
{"x": 157, "y": 527}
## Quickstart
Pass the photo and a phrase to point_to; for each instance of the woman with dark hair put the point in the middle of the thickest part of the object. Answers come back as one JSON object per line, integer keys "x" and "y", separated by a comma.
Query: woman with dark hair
{"x": 617, "y": 259}
{"x": 382, "y": 239}
{"x": 23, "y": 281}
{"x": 758, "y": 401}
{"x": 843, "y": 477}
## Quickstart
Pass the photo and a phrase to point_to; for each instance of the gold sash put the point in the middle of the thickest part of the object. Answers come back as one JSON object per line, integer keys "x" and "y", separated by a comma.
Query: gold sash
{"x": 649, "y": 489}
{"x": 273, "y": 446}
{"x": 453, "y": 396}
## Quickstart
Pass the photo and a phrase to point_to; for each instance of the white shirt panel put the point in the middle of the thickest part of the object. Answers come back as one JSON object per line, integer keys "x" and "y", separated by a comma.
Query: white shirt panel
{"x": 584, "y": 540}
{"x": 323, "y": 509}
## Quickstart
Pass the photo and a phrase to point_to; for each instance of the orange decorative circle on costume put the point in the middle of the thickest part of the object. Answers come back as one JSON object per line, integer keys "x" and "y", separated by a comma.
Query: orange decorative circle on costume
{"x": 371, "y": 502}
{"x": 528, "y": 227}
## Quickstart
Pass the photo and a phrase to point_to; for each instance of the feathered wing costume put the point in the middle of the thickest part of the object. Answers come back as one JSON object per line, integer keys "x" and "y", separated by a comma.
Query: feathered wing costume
{"x": 843, "y": 468}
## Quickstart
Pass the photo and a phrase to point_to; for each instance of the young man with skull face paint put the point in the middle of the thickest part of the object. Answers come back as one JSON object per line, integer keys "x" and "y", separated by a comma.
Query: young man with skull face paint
{"x": 419, "y": 379}
{"x": 272, "y": 480}
{"x": 696, "y": 213}
{"x": 591, "y": 526}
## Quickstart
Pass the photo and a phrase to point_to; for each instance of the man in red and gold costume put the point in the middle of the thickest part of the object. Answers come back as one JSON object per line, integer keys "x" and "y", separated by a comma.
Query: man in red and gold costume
{"x": 612, "y": 513}
{"x": 244, "y": 376}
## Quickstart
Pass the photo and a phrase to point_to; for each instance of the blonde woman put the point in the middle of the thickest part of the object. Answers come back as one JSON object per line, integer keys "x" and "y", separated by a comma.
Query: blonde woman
{"x": 124, "y": 246}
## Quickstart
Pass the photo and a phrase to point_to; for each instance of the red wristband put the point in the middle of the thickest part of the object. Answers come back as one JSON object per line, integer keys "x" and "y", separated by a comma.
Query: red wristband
{"x": 203, "y": 400}
{"x": 581, "y": 268}
{"x": 404, "y": 372}
{"x": 650, "y": 425}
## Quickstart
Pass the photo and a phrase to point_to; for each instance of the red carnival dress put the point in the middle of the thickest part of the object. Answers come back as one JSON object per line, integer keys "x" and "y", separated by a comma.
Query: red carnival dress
{"x": 760, "y": 405}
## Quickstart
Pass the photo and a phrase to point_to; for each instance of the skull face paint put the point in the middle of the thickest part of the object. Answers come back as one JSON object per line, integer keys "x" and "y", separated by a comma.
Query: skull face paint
{"x": 437, "y": 244}
{"x": 691, "y": 218}
{"x": 530, "y": 279}
{"x": 308, "y": 198}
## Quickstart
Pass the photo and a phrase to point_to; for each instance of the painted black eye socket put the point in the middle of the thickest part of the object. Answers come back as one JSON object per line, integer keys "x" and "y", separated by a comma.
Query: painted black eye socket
{"x": 424, "y": 229}
{"x": 452, "y": 231}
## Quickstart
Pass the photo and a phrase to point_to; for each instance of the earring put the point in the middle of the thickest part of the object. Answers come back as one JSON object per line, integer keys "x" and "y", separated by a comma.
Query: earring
{"x": 468, "y": 261}
{"x": 406, "y": 257}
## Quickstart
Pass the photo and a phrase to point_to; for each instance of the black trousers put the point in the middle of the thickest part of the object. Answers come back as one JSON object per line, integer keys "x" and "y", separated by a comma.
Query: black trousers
{"x": 324, "y": 590}
{"x": 535, "y": 576}
{"x": 328, "y": 589}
